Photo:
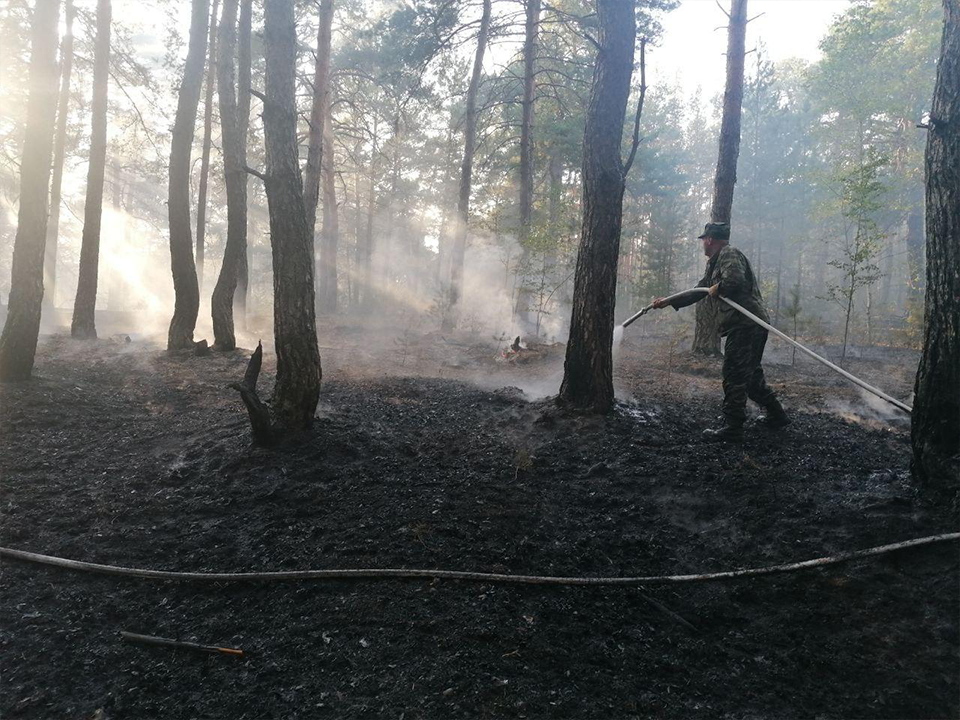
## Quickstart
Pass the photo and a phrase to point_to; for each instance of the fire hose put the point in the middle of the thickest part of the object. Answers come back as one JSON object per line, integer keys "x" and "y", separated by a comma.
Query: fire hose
{"x": 485, "y": 577}
{"x": 819, "y": 358}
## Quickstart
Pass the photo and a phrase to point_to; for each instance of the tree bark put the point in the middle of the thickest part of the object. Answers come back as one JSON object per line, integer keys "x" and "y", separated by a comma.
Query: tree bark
{"x": 330, "y": 228}
{"x": 706, "y": 338}
{"x": 18, "y": 343}
{"x": 458, "y": 251}
{"x": 185, "y": 285}
{"x": 205, "y": 153}
{"x": 235, "y": 180}
{"x": 588, "y": 366}
{"x": 935, "y": 431}
{"x": 297, "y": 388}
{"x": 84, "y": 308}
{"x": 59, "y": 152}
{"x": 531, "y": 29}
{"x": 315, "y": 134}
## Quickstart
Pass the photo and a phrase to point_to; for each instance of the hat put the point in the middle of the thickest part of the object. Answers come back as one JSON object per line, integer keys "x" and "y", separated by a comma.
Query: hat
{"x": 720, "y": 231}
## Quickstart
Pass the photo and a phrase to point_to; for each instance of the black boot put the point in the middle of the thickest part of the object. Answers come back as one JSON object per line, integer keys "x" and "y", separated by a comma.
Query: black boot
{"x": 729, "y": 432}
{"x": 775, "y": 418}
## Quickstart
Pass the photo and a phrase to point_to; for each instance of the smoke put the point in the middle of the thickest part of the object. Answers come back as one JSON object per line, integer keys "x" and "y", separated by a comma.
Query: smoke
{"x": 871, "y": 411}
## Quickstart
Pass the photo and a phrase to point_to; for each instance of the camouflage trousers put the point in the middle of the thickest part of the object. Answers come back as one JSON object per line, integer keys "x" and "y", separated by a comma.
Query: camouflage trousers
{"x": 742, "y": 374}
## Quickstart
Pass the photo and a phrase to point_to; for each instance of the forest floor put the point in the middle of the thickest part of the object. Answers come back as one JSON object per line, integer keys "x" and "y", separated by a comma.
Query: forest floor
{"x": 434, "y": 452}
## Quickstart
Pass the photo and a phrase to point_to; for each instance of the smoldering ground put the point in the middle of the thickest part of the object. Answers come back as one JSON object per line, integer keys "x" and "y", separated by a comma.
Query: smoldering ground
{"x": 434, "y": 459}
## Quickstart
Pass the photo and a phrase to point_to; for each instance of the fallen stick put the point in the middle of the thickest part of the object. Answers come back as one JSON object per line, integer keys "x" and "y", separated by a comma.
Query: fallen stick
{"x": 167, "y": 642}
{"x": 408, "y": 574}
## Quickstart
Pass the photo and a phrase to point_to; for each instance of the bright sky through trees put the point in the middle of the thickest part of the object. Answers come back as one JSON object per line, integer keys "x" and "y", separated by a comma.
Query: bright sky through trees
{"x": 694, "y": 40}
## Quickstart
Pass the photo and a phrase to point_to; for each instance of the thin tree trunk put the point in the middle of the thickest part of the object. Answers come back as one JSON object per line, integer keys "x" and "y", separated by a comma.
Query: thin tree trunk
{"x": 235, "y": 180}
{"x": 84, "y": 308}
{"x": 18, "y": 343}
{"x": 321, "y": 81}
{"x": 846, "y": 320}
{"x": 115, "y": 280}
{"x": 890, "y": 249}
{"x": 555, "y": 172}
{"x": 388, "y": 271}
{"x": 915, "y": 251}
{"x": 588, "y": 366}
{"x": 531, "y": 28}
{"x": 776, "y": 312}
{"x": 935, "y": 431}
{"x": 366, "y": 285}
{"x": 459, "y": 248}
{"x": 330, "y": 227}
{"x": 297, "y": 388}
{"x": 244, "y": 62}
{"x": 358, "y": 243}
{"x": 706, "y": 338}
{"x": 59, "y": 152}
{"x": 443, "y": 241}
{"x": 185, "y": 286}
{"x": 207, "y": 133}
{"x": 726, "y": 176}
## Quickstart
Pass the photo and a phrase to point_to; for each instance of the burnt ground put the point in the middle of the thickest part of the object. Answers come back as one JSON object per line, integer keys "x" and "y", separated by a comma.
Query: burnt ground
{"x": 427, "y": 454}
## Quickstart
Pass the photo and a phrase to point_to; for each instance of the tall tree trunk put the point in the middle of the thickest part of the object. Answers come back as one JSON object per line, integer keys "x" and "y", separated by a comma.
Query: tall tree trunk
{"x": 706, "y": 338}
{"x": 935, "y": 432}
{"x": 185, "y": 286}
{"x": 244, "y": 62}
{"x": 59, "y": 152}
{"x": 330, "y": 228}
{"x": 588, "y": 366}
{"x": 458, "y": 251}
{"x": 84, "y": 308}
{"x": 18, "y": 343}
{"x": 235, "y": 180}
{"x": 205, "y": 153}
{"x": 297, "y": 388}
{"x": 531, "y": 28}
{"x": 315, "y": 134}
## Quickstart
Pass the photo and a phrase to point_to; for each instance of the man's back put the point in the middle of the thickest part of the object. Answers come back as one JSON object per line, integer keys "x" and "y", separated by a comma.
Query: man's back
{"x": 731, "y": 269}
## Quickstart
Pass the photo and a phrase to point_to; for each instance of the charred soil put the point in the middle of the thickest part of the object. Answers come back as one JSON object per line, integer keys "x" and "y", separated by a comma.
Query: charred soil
{"x": 428, "y": 455}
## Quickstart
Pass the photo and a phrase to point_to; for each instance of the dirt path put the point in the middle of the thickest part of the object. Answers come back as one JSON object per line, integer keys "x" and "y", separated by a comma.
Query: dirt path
{"x": 119, "y": 454}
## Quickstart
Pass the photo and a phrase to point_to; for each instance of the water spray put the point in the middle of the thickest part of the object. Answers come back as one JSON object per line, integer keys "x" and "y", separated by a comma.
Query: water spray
{"x": 618, "y": 333}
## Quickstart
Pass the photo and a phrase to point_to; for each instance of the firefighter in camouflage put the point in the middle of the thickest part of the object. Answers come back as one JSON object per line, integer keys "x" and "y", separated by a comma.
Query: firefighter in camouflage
{"x": 729, "y": 275}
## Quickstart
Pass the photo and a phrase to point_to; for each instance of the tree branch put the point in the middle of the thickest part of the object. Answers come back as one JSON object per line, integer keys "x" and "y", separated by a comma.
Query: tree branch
{"x": 255, "y": 173}
{"x": 636, "y": 120}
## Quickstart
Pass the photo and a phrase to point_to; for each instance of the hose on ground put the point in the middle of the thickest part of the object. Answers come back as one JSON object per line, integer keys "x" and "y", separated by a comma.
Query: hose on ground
{"x": 482, "y": 577}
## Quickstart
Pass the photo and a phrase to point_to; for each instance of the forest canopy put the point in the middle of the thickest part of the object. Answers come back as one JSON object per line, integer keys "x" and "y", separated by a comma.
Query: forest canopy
{"x": 811, "y": 133}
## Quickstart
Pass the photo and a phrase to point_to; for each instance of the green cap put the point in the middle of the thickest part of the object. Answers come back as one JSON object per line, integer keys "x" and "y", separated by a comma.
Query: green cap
{"x": 720, "y": 231}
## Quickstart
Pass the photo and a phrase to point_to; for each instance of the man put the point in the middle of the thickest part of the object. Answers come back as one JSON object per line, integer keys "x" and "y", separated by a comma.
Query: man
{"x": 729, "y": 275}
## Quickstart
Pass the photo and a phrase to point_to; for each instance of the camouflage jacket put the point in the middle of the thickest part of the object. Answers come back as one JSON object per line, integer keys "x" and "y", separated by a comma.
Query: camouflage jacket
{"x": 732, "y": 270}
